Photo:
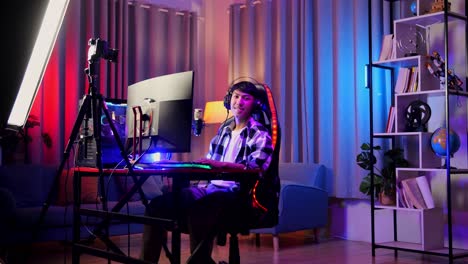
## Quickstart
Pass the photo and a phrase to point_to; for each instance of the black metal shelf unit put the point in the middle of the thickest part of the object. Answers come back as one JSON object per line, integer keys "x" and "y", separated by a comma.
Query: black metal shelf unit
{"x": 423, "y": 17}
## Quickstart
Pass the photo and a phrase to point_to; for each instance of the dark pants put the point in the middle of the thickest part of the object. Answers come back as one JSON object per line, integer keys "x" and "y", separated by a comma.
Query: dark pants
{"x": 203, "y": 214}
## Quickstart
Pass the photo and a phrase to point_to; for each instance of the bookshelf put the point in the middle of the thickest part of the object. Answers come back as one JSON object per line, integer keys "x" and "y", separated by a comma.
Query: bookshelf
{"x": 431, "y": 31}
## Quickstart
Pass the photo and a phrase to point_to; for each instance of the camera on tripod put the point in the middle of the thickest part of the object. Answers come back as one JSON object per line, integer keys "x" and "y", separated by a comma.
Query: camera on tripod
{"x": 100, "y": 49}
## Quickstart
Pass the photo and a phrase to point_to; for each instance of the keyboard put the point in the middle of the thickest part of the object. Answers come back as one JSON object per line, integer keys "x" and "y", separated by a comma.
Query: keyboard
{"x": 173, "y": 164}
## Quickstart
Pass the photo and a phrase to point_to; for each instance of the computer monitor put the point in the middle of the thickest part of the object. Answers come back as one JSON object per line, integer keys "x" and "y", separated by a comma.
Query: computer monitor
{"x": 166, "y": 104}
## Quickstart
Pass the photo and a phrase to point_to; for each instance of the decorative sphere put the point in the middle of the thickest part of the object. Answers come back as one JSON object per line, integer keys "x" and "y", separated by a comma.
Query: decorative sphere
{"x": 439, "y": 142}
{"x": 413, "y": 8}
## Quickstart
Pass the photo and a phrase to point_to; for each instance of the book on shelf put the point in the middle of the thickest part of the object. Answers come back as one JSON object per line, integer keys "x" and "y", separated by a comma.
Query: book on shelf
{"x": 416, "y": 193}
{"x": 407, "y": 80}
{"x": 390, "y": 120}
{"x": 402, "y": 80}
{"x": 387, "y": 47}
{"x": 413, "y": 80}
{"x": 416, "y": 79}
{"x": 413, "y": 194}
{"x": 402, "y": 198}
{"x": 423, "y": 185}
{"x": 393, "y": 53}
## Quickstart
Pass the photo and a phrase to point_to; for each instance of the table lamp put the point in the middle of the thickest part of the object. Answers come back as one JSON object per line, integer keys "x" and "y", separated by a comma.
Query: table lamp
{"x": 215, "y": 112}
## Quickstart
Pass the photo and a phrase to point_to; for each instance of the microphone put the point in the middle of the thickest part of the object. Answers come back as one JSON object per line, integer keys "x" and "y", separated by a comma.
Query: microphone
{"x": 198, "y": 123}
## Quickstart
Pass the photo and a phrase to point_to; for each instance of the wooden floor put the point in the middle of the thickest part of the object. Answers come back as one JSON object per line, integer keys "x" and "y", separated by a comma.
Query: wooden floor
{"x": 294, "y": 248}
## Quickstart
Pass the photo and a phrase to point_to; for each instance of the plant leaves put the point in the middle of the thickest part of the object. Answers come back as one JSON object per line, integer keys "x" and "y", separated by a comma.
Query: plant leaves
{"x": 365, "y": 160}
{"x": 392, "y": 159}
{"x": 365, "y": 146}
{"x": 365, "y": 186}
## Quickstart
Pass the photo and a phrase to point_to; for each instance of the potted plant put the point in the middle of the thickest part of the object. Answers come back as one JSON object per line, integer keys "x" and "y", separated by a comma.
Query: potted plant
{"x": 384, "y": 178}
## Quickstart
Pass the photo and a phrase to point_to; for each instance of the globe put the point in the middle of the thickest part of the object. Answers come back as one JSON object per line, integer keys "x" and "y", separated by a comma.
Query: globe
{"x": 439, "y": 142}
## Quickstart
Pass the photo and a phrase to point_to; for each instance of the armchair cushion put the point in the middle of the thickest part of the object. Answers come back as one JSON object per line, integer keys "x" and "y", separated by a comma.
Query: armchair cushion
{"x": 303, "y": 174}
{"x": 303, "y": 200}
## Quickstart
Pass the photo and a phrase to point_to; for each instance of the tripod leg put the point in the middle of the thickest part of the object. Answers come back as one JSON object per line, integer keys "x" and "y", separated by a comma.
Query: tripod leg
{"x": 123, "y": 154}
{"x": 98, "y": 230}
{"x": 83, "y": 110}
{"x": 97, "y": 106}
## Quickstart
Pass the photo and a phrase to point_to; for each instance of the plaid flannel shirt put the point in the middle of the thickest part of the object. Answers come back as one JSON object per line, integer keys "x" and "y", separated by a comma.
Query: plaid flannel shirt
{"x": 256, "y": 150}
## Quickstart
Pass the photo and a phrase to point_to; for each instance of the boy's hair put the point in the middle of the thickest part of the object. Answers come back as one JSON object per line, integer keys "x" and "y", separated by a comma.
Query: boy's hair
{"x": 246, "y": 87}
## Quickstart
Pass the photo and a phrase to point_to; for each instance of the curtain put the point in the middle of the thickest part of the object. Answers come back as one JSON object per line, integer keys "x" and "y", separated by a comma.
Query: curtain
{"x": 151, "y": 41}
{"x": 313, "y": 55}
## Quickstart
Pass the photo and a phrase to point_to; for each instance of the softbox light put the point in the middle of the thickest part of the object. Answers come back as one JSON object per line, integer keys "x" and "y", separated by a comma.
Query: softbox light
{"x": 32, "y": 78}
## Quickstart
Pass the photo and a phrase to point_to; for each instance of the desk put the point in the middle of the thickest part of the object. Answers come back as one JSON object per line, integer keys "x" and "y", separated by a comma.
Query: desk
{"x": 179, "y": 177}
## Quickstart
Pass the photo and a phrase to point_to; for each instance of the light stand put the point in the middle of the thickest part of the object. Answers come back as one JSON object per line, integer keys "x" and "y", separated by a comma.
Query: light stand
{"x": 94, "y": 103}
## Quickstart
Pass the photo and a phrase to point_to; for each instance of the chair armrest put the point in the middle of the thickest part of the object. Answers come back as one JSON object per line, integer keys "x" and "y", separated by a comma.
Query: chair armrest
{"x": 302, "y": 207}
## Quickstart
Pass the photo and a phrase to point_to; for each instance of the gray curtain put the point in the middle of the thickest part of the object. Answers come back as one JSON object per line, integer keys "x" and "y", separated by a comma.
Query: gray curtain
{"x": 312, "y": 54}
{"x": 151, "y": 40}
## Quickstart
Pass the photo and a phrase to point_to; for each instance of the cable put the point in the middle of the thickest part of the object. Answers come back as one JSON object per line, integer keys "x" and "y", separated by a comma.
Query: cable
{"x": 138, "y": 158}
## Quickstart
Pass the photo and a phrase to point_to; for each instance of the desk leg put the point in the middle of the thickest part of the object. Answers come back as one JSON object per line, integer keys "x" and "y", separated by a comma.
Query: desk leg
{"x": 75, "y": 255}
{"x": 178, "y": 184}
{"x": 176, "y": 247}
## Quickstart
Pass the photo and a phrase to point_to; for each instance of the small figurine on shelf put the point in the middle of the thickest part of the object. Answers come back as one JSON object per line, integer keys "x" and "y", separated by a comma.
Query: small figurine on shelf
{"x": 453, "y": 81}
{"x": 437, "y": 60}
{"x": 438, "y": 6}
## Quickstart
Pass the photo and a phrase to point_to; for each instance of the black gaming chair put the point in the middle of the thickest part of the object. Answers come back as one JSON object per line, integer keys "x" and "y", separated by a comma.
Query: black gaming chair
{"x": 269, "y": 118}
{"x": 267, "y": 115}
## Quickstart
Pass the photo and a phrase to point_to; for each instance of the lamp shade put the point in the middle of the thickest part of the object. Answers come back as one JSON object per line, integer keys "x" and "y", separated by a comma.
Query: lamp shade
{"x": 215, "y": 112}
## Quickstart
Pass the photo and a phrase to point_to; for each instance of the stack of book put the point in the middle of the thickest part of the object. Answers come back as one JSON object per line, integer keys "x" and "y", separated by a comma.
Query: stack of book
{"x": 415, "y": 193}
{"x": 407, "y": 80}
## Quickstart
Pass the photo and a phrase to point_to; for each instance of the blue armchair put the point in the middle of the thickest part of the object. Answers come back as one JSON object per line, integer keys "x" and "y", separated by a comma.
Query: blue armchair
{"x": 303, "y": 200}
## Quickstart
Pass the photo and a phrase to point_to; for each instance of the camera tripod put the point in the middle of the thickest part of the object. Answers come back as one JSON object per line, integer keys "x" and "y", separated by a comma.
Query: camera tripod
{"x": 93, "y": 104}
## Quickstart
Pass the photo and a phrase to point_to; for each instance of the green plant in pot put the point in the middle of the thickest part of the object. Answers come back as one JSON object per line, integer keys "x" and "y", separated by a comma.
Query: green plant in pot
{"x": 385, "y": 177}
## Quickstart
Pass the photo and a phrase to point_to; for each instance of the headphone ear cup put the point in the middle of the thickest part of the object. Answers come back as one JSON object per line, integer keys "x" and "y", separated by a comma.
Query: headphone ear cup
{"x": 227, "y": 100}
